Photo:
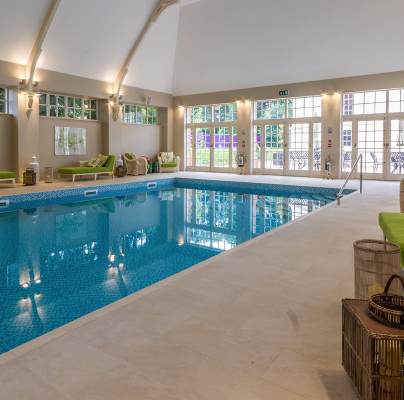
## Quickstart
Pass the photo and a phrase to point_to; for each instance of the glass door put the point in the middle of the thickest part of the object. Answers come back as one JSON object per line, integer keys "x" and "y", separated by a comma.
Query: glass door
{"x": 269, "y": 148}
{"x": 299, "y": 149}
{"x": 222, "y": 148}
{"x": 366, "y": 137}
{"x": 203, "y": 143}
{"x": 371, "y": 145}
{"x": 395, "y": 149}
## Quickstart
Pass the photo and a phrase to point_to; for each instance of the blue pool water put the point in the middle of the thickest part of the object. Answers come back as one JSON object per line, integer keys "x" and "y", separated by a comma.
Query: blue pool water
{"x": 63, "y": 256}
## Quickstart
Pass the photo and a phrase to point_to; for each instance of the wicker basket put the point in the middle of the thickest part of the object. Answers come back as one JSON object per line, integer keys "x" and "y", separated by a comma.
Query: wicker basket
{"x": 388, "y": 308}
{"x": 375, "y": 262}
{"x": 372, "y": 353}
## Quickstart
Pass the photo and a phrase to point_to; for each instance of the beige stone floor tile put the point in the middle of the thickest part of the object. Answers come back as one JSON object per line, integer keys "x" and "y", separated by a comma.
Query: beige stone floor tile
{"x": 18, "y": 383}
{"x": 309, "y": 377}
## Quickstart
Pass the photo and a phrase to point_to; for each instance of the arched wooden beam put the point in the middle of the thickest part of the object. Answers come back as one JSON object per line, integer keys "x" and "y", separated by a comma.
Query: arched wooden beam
{"x": 160, "y": 7}
{"x": 37, "y": 48}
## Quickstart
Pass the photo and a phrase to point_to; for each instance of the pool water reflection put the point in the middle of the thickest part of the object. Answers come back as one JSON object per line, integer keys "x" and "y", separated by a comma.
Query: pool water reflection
{"x": 62, "y": 261}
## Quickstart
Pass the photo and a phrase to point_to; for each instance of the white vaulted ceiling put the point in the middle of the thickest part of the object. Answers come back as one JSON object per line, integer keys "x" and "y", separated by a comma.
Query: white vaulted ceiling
{"x": 210, "y": 45}
{"x": 233, "y": 44}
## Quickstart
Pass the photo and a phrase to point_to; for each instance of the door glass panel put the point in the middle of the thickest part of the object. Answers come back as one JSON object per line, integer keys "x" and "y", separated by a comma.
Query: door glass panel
{"x": 274, "y": 146}
{"x": 317, "y": 146}
{"x": 346, "y": 156}
{"x": 397, "y": 147}
{"x": 202, "y": 147}
{"x": 299, "y": 147}
{"x": 222, "y": 147}
{"x": 371, "y": 145}
{"x": 189, "y": 147}
{"x": 257, "y": 146}
{"x": 234, "y": 146}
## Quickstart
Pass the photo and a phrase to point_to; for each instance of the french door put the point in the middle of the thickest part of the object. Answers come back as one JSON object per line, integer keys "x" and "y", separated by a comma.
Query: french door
{"x": 288, "y": 149}
{"x": 212, "y": 148}
{"x": 381, "y": 144}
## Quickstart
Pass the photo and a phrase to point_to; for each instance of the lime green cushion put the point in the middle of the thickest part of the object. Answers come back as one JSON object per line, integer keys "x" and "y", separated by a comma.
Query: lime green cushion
{"x": 98, "y": 161}
{"x": 168, "y": 165}
{"x": 107, "y": 167}
{"x": 82, "y": 170}
{"x": 130, "y": 156}
{"x": 7, "y": 175}
{"x": 392, "y": 224}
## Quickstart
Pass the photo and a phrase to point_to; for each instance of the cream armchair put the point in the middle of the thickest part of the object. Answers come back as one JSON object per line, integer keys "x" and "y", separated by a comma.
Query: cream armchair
{"x": 168, "y": 162}
{"x": 135, "y": 165}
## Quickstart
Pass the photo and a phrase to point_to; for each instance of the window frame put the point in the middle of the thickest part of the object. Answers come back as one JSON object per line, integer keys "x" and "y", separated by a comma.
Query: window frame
{"x": 5, "y": 100}
{"x": 131, "y": 117}
{"x": 65, "y": 106}
{"x": 190, "y": 128}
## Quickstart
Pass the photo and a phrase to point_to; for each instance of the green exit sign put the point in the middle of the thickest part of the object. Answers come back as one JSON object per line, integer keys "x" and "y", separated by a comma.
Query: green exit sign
{"x": 283, "y": 93}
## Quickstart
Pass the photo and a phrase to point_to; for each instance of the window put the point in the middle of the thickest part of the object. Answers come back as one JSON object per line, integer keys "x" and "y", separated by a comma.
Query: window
{"x": 304, "y": 107}
{"x": 369, "y": 102}
{"x": 270, "y": 109}
{"x": 396, "y": 100}
{"x": 225, "y": 112}
{"x": 135, "y": 114}
{"x": 346, "y": 154}
{"x": 317, "y": 146}
{"x": 60, "y": 106}
{"x": 212, "y": 113}
{"x": 3, "y": 100}
{"x": 211, "y": 136}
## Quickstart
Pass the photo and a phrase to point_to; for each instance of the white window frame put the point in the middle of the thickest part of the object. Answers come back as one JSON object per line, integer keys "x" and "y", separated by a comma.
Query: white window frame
{"x": 387, "y": 117}
{"x": 66, "y": 107}
{"x": 212, "y": 124}
{"x": 137, "y": 107}
{"x": 286, "y": 122}
{"x": 5, "y": 101}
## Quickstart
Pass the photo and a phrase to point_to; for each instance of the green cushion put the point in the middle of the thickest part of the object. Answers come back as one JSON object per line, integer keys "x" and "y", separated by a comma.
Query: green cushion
{"x": 82, "y": 170}
{"x": 107, "y": 167}
{"x": 392, "y": 224}
{"x": 130, "y": 156}
{"x": 7, "y": 175}
{"x": 169, "y": 165}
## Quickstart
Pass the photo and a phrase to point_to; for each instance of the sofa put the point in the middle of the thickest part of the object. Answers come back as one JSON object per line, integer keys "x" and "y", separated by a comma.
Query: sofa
{"x": 168, "y": 162}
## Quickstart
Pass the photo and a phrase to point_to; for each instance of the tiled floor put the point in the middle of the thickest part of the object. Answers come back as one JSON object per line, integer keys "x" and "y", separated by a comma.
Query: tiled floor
{"x": 259, "y": 322}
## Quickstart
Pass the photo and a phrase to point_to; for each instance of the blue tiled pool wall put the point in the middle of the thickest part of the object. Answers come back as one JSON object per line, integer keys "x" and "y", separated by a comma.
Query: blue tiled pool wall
{"x": 37, "y": 199}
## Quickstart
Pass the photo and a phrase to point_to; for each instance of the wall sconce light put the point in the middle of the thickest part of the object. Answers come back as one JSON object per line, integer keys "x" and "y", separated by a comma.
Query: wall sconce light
{"x": 30, "y": 91}
{"x": 115, "y": 102}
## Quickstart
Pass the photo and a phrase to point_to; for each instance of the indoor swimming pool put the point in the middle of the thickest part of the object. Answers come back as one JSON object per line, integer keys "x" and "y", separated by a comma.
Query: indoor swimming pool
{"x": 66, "y": 254}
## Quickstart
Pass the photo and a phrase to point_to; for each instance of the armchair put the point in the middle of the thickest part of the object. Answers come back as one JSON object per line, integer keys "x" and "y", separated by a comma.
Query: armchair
{"x": 135, "y": 165}
{"x": 168, "y": 162}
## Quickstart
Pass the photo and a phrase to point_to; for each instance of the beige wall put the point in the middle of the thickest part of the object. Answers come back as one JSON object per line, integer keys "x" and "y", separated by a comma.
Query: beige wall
{"x": 143, "y": 140}
{"x": 46, "y": 155}
{"x": 8, "y": 143}
{"x": 331, "y": 108}
{"x": 35, "y": 135}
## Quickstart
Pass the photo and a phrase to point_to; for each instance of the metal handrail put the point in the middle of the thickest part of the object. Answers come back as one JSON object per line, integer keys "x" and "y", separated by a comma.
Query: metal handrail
{"x": 341, "y": 191}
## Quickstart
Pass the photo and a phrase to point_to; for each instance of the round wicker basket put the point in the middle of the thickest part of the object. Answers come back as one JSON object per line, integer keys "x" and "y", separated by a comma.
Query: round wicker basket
{"x": 388, "y": 308}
